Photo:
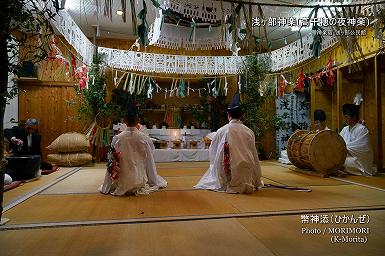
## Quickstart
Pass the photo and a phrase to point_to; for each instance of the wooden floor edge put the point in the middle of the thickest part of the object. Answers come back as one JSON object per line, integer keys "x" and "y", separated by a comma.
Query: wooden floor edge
{"x": 187, "y": 218}
{"x": 358, "y": 184}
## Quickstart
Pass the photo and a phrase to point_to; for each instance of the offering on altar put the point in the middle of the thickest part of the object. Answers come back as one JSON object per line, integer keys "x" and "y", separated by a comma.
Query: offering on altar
{"x": 193, "y": 144}
{"x": 176, "y": 144}
{"x": 207, "y": 142}
{"x": 160, "y": 144}
{"x": 208, "y": 138}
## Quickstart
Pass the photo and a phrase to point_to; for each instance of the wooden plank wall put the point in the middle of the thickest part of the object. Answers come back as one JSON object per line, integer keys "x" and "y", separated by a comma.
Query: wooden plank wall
{"x": 47, "y": 103}
{"x": 322, "y": 99}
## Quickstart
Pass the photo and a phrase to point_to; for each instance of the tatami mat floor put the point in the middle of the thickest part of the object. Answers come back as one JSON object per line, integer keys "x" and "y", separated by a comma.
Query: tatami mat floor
{"x": 67, "y": 216}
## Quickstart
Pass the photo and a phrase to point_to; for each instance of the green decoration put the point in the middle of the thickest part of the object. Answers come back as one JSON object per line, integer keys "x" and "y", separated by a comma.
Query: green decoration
{"x": 120, "y": 100}
{"x": 261, "y": 120}
{"x": 143, "y": 28}
{"x": 93, "y": 106}
{"x": 192, "y": 25}
{"x": 238, "y": 9}
{"x": 201, "y": 115}
{"x": 155, "y": 3}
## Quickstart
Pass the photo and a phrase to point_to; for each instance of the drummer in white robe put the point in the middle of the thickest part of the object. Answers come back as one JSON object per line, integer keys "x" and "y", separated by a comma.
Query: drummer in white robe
{"x": 136, "y": 166}
{"x": 359, "y": 160}
{"x": 234, "y": 164}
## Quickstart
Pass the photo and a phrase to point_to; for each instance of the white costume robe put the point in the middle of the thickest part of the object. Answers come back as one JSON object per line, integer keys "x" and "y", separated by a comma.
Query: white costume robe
{"x": 122, "y": 127}
{"x": 138, "y": 173}
{"x": 143, "y": 129}
{"x": 244, "y": 162}
{"x": 360, "y": 153}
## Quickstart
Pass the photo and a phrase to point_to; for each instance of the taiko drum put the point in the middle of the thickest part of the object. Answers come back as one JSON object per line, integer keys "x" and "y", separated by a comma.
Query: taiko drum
{"x": 324, "y": 151}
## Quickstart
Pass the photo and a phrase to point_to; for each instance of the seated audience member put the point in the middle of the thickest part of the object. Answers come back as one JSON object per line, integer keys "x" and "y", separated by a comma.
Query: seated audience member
{"x": 131, "y": 169}
{"x": 359, "y": 160}
{"x": 234, "y": 164}
{"x": 26, "y": 141}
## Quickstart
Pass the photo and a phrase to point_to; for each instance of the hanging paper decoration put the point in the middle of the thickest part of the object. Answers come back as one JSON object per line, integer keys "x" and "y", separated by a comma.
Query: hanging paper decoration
{"x": 300, "y": 81}
{"x": 358, "y": 99}
{"x": 181, "y": 88}
{"x": 133, "y": 17}
{"x": 108, "y": 8}
{"x": 225, "y": 88}
{"x": 125, "y": 60}
{"x": 124, "y": 10}
{"x": 115, "y": 79}
{"x": 143, "y": 28}
{"x": 281, "y": 86}
{"x": 131, "y": 88}
{"x": 155, "y": 3}
{"x": 149, "y": 91}
{"x": 142, "y": 84}
{"x": 125, "y": 83}
{"x": 239, "y": 84}
{"x": 172, "y": 86}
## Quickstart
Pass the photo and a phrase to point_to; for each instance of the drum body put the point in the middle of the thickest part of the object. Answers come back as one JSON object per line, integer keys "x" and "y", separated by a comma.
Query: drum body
{"x": 324, "y": 151}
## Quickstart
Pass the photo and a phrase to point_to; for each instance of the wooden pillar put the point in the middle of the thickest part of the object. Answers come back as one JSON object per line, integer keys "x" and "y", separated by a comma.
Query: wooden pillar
{"x": 313, "y": 105}
{"x": 379, "y": 68}
{"x": 338, "y": 103}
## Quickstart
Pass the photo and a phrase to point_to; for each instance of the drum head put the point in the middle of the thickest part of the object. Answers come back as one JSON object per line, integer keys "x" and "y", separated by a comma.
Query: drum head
{"x": 327, "y": 151}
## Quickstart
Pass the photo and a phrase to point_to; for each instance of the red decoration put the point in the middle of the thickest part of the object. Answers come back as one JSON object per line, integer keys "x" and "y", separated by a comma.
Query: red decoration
{"x": 55, "y": 53}
{"x": 83, "y": 78}
{"x": 300, "y": 81}
{"x": 329, "y": 73}
{"x": 281, "y": 86}
{"x": 113, "y": 164}
{"x": 226, "y": 159}
{"x": 73, "y": 64}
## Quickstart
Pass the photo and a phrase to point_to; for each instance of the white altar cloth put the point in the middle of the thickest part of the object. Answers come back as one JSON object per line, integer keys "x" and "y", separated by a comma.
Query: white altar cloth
{"x": 181, "y": 155}
{"x": 177, "y": 134}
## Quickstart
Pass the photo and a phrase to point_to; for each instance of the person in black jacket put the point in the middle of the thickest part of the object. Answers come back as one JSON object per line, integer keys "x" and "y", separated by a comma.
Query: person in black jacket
{"x": 26, "y": 140}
